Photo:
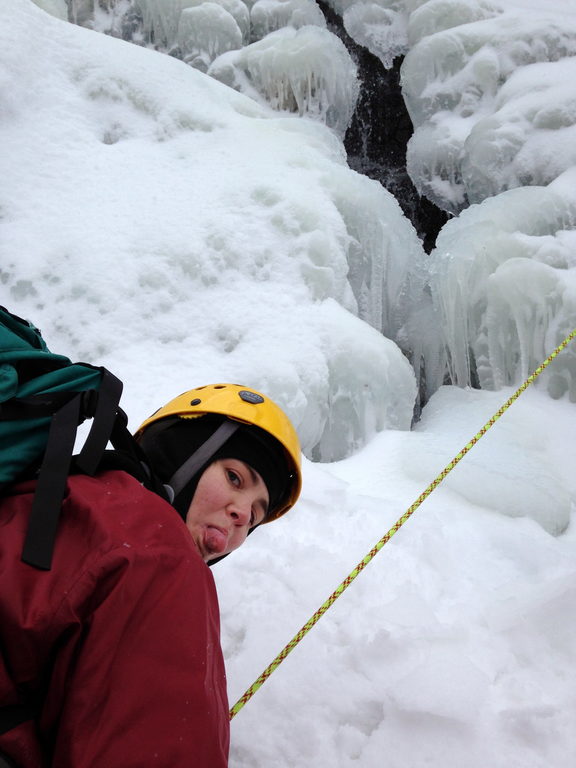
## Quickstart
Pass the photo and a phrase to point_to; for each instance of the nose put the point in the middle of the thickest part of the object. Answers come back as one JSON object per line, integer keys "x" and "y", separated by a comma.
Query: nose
{"x": 240, "y": 512}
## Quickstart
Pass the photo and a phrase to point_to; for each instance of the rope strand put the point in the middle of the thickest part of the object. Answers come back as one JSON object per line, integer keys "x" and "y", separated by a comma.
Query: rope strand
{"x": 394, "y": 529}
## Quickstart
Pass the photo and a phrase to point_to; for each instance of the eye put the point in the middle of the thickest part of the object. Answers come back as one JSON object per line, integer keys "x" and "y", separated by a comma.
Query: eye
{"x": 233, "y": 477}
{"x": 258, "y": 515}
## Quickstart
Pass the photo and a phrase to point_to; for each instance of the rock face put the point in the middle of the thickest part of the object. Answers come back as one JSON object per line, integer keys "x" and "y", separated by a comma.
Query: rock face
{"x": 379, "y": 132}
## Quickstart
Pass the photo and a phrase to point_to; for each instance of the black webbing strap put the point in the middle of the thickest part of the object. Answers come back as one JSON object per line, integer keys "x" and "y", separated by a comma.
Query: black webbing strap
{"x": 194, "y": 463}
{"x": 102, "y": 406}
{"x": 105, "y": 414}
{"x": 129, "y": 457}
{"x": 121, "y": 438}
{"x": 33, "y": 407}
{"x": 51, "y": 486}
{"x": 12, "y": 716}
{"x": 15, "y": 714}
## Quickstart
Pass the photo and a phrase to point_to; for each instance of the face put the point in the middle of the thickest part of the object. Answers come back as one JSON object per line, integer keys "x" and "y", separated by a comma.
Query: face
{"x": 230, "y": 499}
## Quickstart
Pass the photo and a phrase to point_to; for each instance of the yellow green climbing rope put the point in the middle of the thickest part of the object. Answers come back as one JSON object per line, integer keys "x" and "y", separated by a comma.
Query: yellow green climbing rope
{"x": 394, "y": 529}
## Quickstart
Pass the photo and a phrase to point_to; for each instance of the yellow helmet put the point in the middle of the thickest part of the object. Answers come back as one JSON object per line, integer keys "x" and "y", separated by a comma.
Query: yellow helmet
{"x": 240, "y": 405}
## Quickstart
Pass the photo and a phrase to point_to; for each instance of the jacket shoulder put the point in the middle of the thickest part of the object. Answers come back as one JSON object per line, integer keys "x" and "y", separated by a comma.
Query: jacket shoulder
{"x": 114, "y": 509}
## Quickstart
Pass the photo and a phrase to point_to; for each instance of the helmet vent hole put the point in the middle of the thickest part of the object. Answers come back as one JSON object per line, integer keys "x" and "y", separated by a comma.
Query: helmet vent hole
{"x": 196, "y": 401}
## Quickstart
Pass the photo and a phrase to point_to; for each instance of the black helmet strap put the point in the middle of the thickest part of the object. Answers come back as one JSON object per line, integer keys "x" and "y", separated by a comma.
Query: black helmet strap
{"x": 200, "y": 457}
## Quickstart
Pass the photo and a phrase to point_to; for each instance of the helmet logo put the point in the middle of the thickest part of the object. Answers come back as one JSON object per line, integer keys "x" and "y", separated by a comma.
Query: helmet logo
{"x": 250, "y": 397}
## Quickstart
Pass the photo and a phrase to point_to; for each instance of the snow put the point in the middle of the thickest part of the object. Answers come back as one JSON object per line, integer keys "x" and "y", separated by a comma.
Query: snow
{"x": 178, "y": 232}
{"x": 455, "y": 645}
{"x": 161, "y": 20}
{"x": 487, "y": 85}
{"x": 379, "y": 26}
{"x": 537, "y": 102}
{"x": 236, "y": 220}
{"x": 306, "y": 71}
{"x": 56, "y": 8}
{"x": 205, "y": 32}
{"x": 503, "y": 288}
{"x": 489, "y": 88}
{"x": 270, "y": 15}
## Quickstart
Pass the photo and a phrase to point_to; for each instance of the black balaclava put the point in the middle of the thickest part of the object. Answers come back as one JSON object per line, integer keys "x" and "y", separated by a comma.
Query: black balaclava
{"x": 170, "y": 442}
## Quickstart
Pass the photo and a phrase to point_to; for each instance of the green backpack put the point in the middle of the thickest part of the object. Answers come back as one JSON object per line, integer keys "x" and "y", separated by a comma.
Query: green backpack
{"x": 43, "y": 399}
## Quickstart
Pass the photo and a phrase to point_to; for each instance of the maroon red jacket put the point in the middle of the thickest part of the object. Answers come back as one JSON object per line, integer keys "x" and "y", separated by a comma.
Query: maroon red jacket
{"x": 122, "y": 635}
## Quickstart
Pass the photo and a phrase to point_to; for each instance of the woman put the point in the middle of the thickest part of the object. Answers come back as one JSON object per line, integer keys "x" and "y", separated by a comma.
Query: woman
{"x": 207, "y": 425}
{"x": 117, "y": 650}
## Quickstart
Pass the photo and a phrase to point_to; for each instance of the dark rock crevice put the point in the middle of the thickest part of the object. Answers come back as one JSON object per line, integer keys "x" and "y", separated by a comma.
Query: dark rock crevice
{"x": 378, "y": 134}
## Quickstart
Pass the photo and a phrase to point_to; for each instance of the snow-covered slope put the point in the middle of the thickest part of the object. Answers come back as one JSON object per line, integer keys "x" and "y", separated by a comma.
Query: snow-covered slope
{"x": 155, "y": 221}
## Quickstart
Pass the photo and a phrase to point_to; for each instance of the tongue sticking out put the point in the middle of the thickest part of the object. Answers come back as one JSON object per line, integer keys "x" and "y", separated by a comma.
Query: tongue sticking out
{"x": 215, "y": 541}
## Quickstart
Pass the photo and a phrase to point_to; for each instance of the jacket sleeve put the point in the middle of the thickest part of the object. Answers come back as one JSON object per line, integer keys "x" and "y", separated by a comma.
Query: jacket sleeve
{"x": 138, "y": 678}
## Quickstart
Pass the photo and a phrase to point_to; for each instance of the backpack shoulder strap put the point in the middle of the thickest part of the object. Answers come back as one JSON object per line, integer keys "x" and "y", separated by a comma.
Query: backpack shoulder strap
{"x": 11, "y": 716}
{"x": 43, "y": 399}
{"x": 55, "y": 467}
{"x": 14, "y": 715}
{"x": 6, "y": 762}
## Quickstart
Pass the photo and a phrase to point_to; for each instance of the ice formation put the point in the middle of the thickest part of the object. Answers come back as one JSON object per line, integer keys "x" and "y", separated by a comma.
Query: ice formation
{"x": 310, "y": 73}
{"x": 57, "y": 8}
{"x": 385, "y": 256}
{"x": 470, "y": 76}
{"x": 161, "y": 19}
{"x": 205, "y": 31}
{"x": 503, "y": 284}
{"x": 224, "y": 241}
{"x": 489, "y": 87}
{"x": 220, "y": 221}
{"x": 531, "y": 136}
{"x": 306, "y": 71}
{"x": 269, "y": 15}
{"x": 470, "y": 82}
{"x": 379, "y": 25}
{"x": 168, "y": 22}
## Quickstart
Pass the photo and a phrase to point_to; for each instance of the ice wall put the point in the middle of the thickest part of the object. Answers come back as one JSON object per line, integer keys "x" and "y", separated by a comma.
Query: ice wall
{"x": 305, "y": 71}
{"x": 57, "y": 8}
{"x": 488, "y": 87}
{"x": 379, "y": 25}
{"x": 194, "y": 235}
{"x": 482, "y": 79}
{"x": 385, "y": 256}
{"x": 283, "y": 54}
{"x": 207, "y": 30}
{"x": 503, "y": 285}
{"x": 530, "y": 138}
{"x": 270, "y": 15}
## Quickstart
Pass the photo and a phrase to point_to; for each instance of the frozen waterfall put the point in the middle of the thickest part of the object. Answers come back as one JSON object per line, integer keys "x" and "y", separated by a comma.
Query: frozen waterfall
{"x": 485, "y": 83}
{"x": 488, "y": 85}
{"x": 305, "y": 71}
{"x": 503, "y": 283}
{"x": 255, "y": 221}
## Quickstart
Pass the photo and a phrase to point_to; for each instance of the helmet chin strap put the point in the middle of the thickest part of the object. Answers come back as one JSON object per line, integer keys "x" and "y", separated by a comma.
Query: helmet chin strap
{"x": 199, "y": 458}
